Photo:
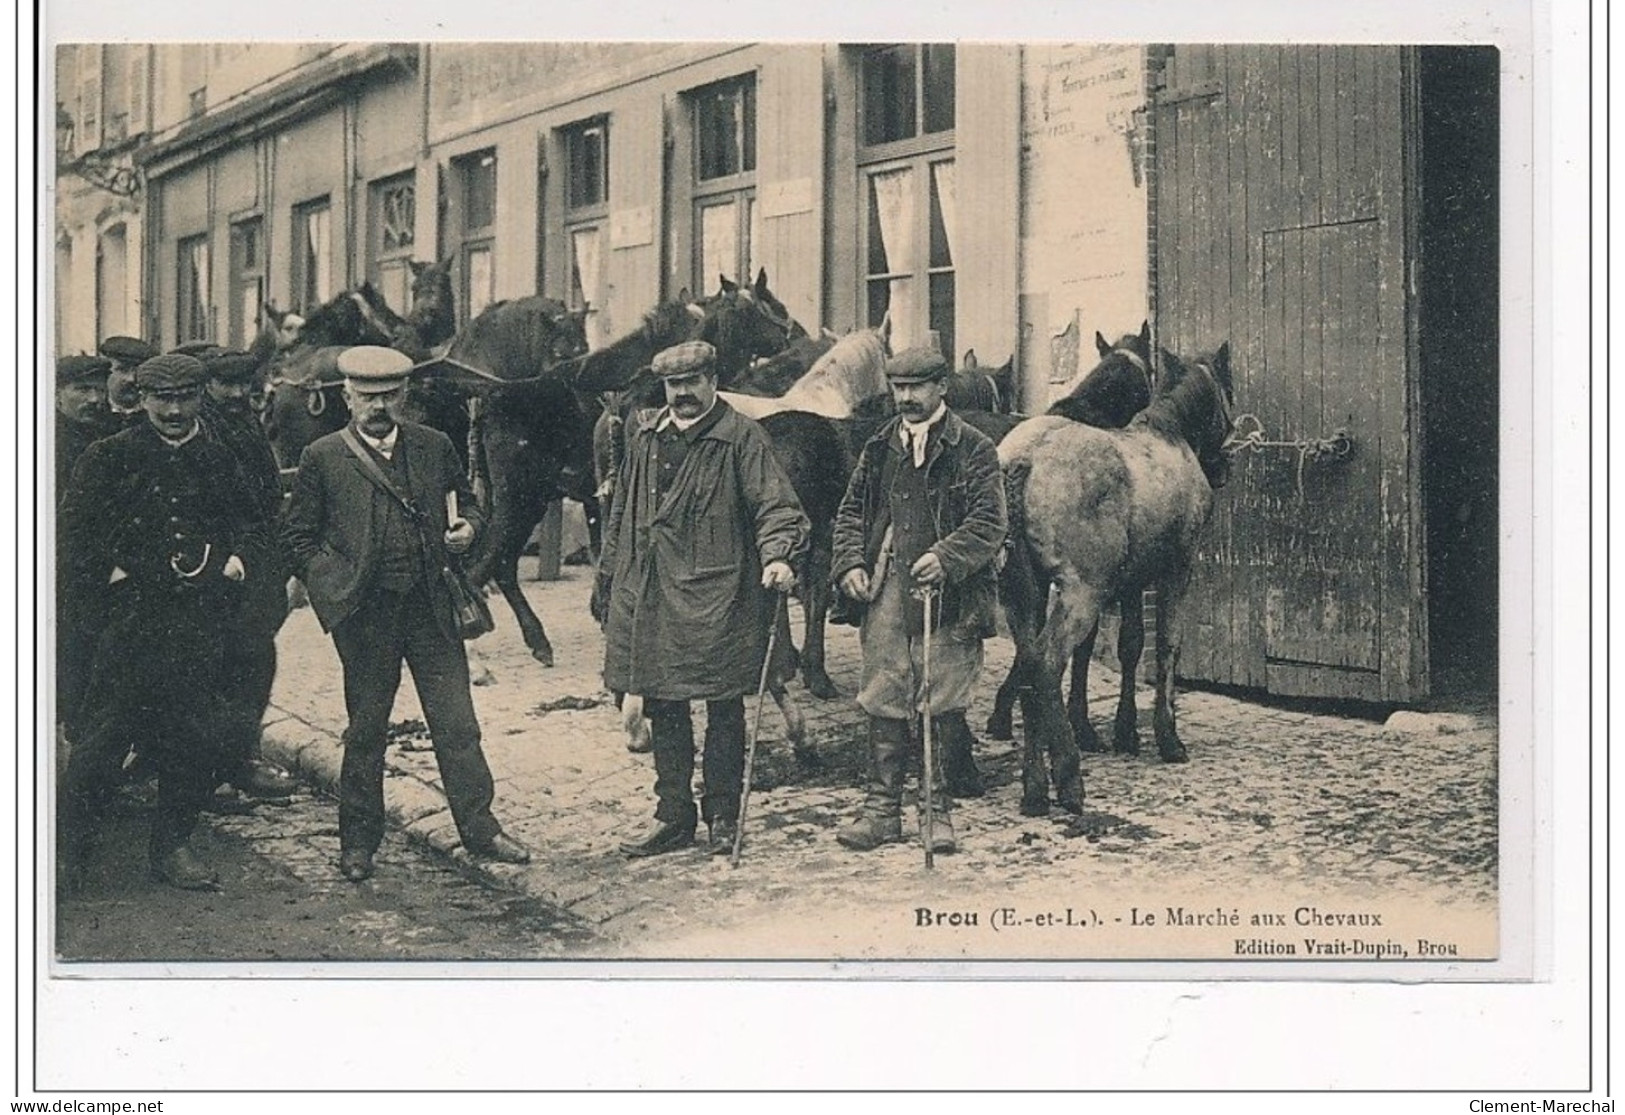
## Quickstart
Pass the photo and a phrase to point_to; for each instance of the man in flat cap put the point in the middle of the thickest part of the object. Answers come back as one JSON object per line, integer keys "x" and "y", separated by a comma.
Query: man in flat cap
{"x": 127, "y": 354}
{"x": 154, "y": 519}
{"x": 250, "y": 667}
{"x": 372, "y": 565}
{"x": 705, "y": 519}
{"x": 924, "y": 510}
{"x": 82, "y": 417}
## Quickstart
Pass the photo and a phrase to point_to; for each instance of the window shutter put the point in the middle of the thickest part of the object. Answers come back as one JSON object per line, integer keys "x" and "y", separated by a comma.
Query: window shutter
{"x": 137, "y": 95}
{"x": 790, "y": 179}
{"x": 632, "y": 262}
{"x": 987, "y": 133}
{"x": 90, "y": 97}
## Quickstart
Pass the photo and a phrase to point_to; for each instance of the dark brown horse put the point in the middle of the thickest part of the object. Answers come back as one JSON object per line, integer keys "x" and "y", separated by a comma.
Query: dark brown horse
{"x": 502, "y": 394}
{"x": 1109, "y": 396}
{"x": 1098, "y": 514}
{"x": 972, "y": 387}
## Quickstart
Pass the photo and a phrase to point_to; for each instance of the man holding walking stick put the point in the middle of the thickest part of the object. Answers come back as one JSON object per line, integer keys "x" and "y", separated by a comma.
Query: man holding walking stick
{"x": 705, "y": 519}
{"x": 919, "y": 527}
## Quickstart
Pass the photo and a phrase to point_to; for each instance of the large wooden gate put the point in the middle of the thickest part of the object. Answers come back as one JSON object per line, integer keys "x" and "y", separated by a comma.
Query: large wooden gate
{"x": 1284, "y": 216}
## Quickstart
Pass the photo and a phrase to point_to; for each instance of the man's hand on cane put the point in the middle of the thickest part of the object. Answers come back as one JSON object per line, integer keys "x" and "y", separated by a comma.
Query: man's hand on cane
{"x": 928, "y": 570}
{"x": 778, "y": 576}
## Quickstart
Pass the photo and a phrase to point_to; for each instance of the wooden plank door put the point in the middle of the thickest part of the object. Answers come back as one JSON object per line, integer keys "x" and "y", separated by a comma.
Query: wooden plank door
{"x": 1284, "y": 215}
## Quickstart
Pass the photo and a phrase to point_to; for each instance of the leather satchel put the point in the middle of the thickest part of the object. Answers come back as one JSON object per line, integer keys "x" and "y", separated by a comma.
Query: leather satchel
{"x": 470, "y": 614}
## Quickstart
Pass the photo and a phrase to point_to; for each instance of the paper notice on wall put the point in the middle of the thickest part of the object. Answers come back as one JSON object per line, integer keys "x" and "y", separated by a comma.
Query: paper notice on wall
{"x": 632, "y": 228}
{"x": 783, "y": 199}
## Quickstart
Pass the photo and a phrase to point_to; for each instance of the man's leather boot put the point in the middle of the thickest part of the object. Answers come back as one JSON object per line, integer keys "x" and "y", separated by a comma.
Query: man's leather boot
{"x": 959, "y": 771}
{"x": 881, "y": 820}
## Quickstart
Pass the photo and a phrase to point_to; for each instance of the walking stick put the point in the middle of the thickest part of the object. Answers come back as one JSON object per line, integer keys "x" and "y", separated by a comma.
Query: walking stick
{"x": 928, "y": 828}
{"x": 755, "y": 731}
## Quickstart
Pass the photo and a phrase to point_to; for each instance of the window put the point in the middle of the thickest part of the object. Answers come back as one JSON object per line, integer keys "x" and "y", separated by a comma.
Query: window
{"x": 726, "y": 220}
{"x": 112, "y": 265}
{"x": 586, "y": 209}
{"x": 906, "y": 171}
{"x": 477, "y": 190}
{"x": 192, "y": 290}
{"x": 312, "y": 255}
{"x": 247, "y": 280}
{"x": 391, "y": 237}
{"x": 908, "y": 91}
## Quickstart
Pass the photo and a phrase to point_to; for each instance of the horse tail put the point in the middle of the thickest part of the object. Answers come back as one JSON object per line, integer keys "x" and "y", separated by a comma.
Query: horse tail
{"x": 1019, "y": 583}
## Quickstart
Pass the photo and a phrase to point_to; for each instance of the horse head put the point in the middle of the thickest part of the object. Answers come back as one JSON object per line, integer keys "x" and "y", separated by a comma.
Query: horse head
{"x": 743, "y": 327}
{"x": 612, "y": 367}
{"x": 434, "y": 306}
{"x": 1195, "y": 399}
{"x": 1117, "y": 388}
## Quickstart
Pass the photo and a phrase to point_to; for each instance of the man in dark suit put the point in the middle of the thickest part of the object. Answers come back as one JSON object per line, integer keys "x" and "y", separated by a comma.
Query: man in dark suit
{"x": 82, "y": 417}
{"x": 153, "y": 524}
{"x": 373, "y": 567}
{"x": 250, "y": 667}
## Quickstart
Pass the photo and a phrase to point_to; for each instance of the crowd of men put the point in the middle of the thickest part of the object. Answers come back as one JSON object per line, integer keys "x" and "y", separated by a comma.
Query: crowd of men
{"x": 175, "y": 546}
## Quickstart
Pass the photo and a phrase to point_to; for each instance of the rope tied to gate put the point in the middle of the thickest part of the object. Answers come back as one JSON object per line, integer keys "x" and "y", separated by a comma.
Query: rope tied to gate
{"x": 1247, "y": 435}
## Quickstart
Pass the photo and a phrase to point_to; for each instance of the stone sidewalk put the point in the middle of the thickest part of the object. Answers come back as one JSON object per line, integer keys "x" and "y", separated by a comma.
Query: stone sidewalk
{"x": 1274, "y": 801}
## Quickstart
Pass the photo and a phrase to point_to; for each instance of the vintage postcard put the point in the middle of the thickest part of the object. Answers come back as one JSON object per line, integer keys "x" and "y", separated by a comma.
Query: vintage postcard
{"x": 955, "y": 508}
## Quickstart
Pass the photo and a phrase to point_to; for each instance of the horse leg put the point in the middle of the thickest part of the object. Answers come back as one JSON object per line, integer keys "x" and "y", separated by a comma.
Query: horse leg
{"x": 795, "y": 727}
{"x": 1075, "y": 615}
{"x": 1001, "y": 721}
{"x": 815, "y": 602}
{"x": 1130, "y": 644}
{"x": 1169, "y": 591}
{"x": 1077, "y": 698}
{"x": 1036, "y": 718}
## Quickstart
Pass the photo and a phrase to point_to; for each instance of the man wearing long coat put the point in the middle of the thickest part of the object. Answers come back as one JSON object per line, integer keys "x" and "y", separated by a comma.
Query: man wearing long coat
{"x": 153, "y": 522}
{"x": 704, "y": 520}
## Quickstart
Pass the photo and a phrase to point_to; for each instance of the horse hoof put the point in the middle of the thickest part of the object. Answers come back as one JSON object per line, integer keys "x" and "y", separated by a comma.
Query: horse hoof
{"x": 1070, "y": 803}
{"x": 807, "y": 758}
{"x": 821, "y": 687}
{"x": 1035, "y": 807}
{"x": 1088, "y": 741}
{"x": 1000, "y": 727}
{"x": 544, "y": 655}
{"x": 1174, "y": 753}
{"x": 1126, "y": 743}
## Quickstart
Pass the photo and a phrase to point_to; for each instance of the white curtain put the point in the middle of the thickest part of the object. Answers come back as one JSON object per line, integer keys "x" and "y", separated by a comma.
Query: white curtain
{"x": 480, "y": 281}
{"x": 719, "y": 245}
{"x": 585, "y": 257}
{"x": 942, "y": 175}
{"x": 892, "y": 195}
{"x": 318, "y": 257}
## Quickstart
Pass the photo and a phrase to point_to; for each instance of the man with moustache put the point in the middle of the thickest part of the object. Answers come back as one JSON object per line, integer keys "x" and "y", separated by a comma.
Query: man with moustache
{"x": 704, "y": 520}
{"x": 127, "y": 354}
{"x": 250, "y": 667}
{"x": 924, "y": 509}
{"x": 153, "y": 522}
{"x": 372, "y": 565}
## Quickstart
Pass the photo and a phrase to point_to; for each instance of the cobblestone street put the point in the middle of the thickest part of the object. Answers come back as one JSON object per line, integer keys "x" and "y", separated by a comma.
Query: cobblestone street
{"x": 1277, "y": 809}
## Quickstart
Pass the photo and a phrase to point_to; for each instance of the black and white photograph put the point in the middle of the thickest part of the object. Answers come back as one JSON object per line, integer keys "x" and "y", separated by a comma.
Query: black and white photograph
{"x": 929, "y": 506}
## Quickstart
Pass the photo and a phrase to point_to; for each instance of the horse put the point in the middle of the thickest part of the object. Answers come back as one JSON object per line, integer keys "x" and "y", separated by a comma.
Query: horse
{"x": 972, "y": 388}
{"x": 501, "y": 391}
{"x": 303, "y": 382}
{"x": 1108, "y": 396}
{"x": 1099, "y": 513}
{"x": 770, "y": 377}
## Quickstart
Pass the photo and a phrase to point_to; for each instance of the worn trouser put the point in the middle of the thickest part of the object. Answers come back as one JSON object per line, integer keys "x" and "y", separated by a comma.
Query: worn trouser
{"x": 249, "y": 671}
{"x": 387, "y": 629}
{"x": 155, "y": 677}
{"x": 894, "y": 662}
{"x": 672, "y": 730}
